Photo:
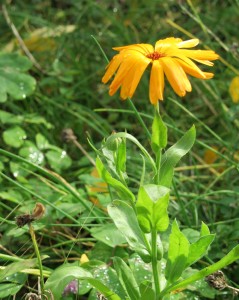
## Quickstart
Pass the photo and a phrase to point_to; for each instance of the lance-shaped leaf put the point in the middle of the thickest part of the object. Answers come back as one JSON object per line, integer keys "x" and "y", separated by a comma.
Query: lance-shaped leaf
{"x": 173, "y": 155}
{"x": 115, "y": 154}
{"x": 159, "y": 134}
{"x": 126, "y": 278}
{"x": 15, "y": 267}
{"x": 126, "y": 221}
{"x": 152, "y": 207}
{"x": 146, "y": 291}
{"x": 103, "y": 289}
{"x": 200, "y": 247}
{"x": 131, "y": 138}
{"x": 232, "y": 256}
{"x": 120, "y": 188}
{"x": 177, "y": 254}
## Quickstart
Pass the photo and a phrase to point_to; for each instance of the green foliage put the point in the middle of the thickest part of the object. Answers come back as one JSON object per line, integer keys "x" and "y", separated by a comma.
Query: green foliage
{"x": 152, "y": 207}
{"x": 159, "y": 134}
{"x": 12, "y": 79}
{"x": 177, "y": 254}
{"x": 126, "y": 278}
{"x": 123, "y": 215}
{"x": 60, "y": 87}
{"x": 123, "y": 191}
{"x": 173, "y": 155}
{"x": 16, "y": 267}
{"x": 64, "y": 275}
{"x": 14, "y": 136}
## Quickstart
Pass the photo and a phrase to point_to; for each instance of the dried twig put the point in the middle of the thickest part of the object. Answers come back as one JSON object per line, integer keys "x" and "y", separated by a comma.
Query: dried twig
{"x": 69, "y": 136}
{"x": 20, "y": 40}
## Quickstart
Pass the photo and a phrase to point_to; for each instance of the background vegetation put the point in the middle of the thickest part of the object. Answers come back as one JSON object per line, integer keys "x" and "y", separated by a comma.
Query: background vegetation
{"x": 65, "y": 91}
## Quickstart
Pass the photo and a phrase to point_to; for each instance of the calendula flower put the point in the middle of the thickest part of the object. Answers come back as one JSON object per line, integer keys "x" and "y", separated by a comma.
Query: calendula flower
{"x": 169, "y": 57}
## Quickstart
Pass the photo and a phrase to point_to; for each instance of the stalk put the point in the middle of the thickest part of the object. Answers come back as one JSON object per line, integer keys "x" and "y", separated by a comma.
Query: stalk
{"x": 139, "y": 118}
{"x": 33, "y": 237}
{"x": 155, "y": 261}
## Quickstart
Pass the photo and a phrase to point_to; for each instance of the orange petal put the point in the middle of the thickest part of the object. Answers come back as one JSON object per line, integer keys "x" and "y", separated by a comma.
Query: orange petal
{"x": 112, "y": 67}
{"x": 165, "y": 43}
{"x": 132, "y": 64}
{"x": 188, "y": 44}
{"x": 191, "y": 68}
{"x": 141, "y": 48}
{"x": 176, "y": 76}
{"x": 137, "y": 76}
{"x": 133, "y": 77}
{"x": 202, "y": 56}
{"x": 156, "y": 82}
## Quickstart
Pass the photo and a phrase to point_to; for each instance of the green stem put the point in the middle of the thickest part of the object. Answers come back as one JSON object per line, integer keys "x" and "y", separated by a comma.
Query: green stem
{"x": 155, "y": 261}
{"x": 32, "y": 233}
{"x": 159, "y": 153}
{"x": 139, "y": 118}
{"x": 158, "y": 164}
{"x": 101, "y": 49}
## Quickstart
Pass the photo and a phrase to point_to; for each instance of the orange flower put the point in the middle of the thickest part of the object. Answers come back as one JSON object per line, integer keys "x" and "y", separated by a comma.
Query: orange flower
{"x": 168, "y": 57}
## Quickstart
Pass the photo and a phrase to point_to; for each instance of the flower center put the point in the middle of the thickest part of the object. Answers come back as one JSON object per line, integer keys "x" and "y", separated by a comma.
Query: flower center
{"x": 154, "y": 55}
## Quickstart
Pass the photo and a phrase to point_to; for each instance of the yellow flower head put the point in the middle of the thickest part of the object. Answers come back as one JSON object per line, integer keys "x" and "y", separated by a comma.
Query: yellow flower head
{"x": 168, "y": 57}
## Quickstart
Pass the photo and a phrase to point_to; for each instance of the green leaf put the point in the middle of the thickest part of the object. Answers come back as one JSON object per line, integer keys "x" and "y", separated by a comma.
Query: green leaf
{"x": 8, "y": 118}
{"x": 173, "y": 155}
{"x": 103, "y": 289}
{"x": 232, "y": 256}
{"x": 204, "y": 230}
{"x": 142, "y": 271}
{"x": 14, "y": 62}
{"x": 200, "y": 242}
{"x": 114, "y": 153}
{"x": 177, "y": 254}
{"x": 14, "y": 136}
{"x": 17, "y": 267}
{"x": 42, "y": 142}
{"x": 126, "y": 278}
{"x": 146, "y": 291}
{"x": 199, "y": 248}
{"x": 137, "y": 143}
{"x": 12, "y": 80}
{"x": 152, "y": 207}
{"x": 126, "y": 221}
{"x": 12, "y": 195}
{"x": 58, "y": 159}
{"x": 159, "y": 133}
{"x": 121, "y": 189}
{"x": 36, "y": 119}
{"x": 31, "y": 153}
{"x": 108, "y": 234}
{"x": 7, "y": 289}
{"x": 109, "y": 278}
{"x": 121, "y": 156}
{"x": 63, "y": 275}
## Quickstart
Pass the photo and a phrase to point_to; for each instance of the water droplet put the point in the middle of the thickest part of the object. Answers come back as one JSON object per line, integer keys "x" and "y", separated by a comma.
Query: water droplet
{"x": 63, "y": 154}
{"x": 15, "y": 174}
{"x": 107, "y": 238}
{"x": 24, "y": 96}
